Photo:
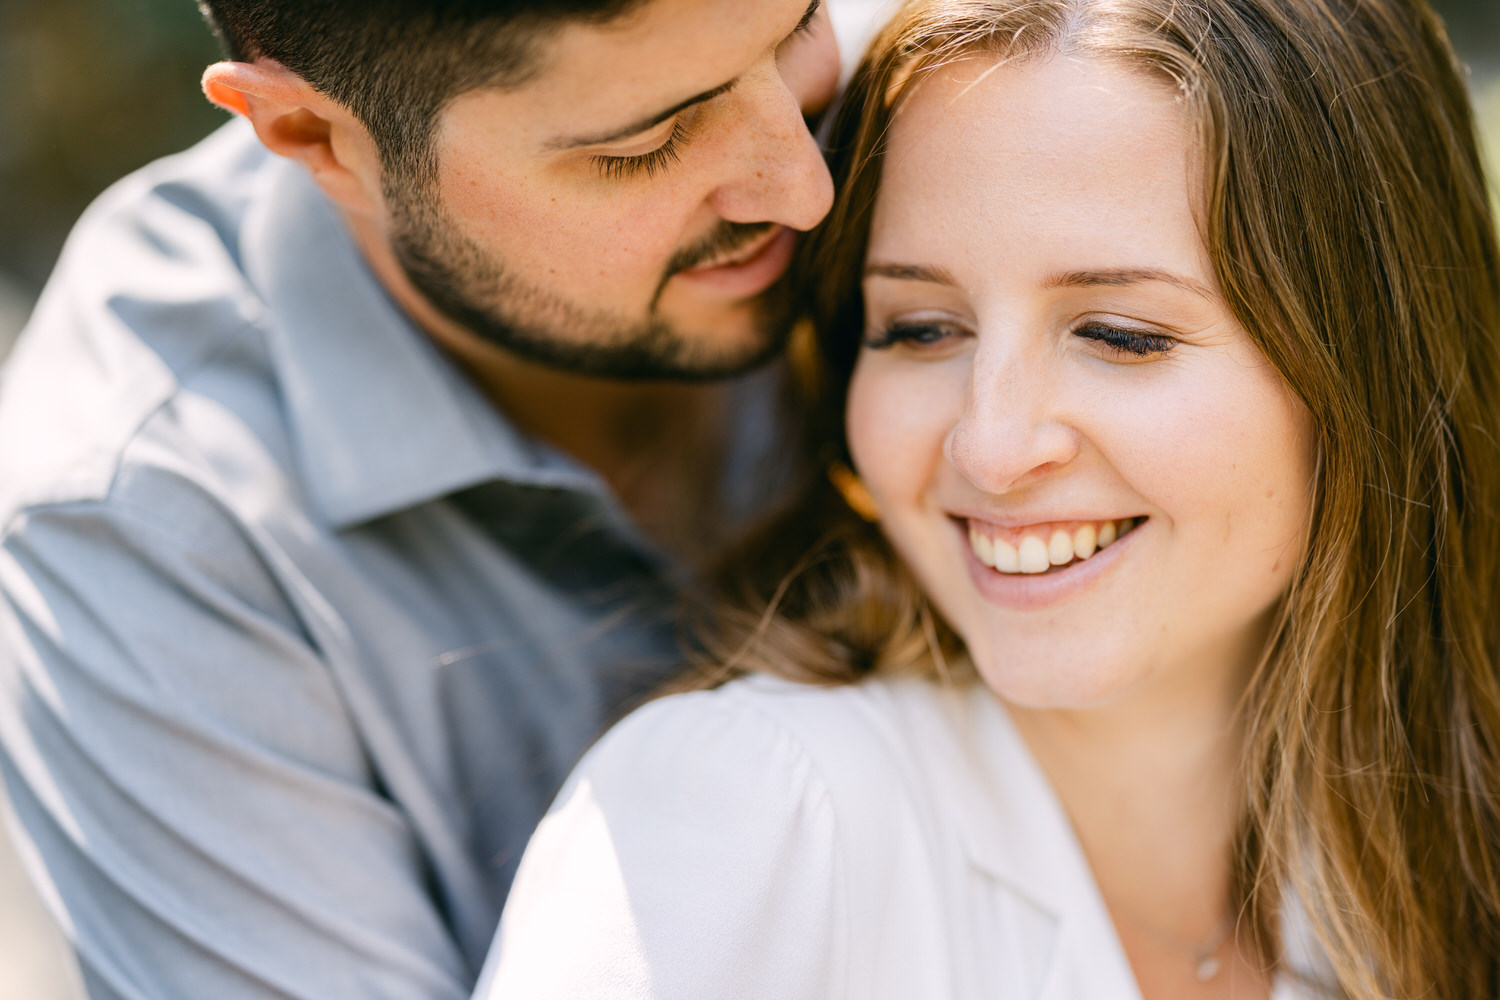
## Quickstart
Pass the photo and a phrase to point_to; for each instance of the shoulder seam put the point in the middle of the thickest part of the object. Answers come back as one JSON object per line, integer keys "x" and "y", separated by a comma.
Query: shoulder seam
{"x": 119, "y": 449}
{"x": 840, "y": 853}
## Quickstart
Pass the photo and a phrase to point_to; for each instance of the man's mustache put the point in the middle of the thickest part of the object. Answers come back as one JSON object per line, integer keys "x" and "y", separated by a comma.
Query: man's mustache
{"x": 723, "y": 240}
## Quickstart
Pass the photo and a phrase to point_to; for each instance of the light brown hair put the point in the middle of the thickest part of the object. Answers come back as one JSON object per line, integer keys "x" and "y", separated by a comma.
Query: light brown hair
{"x": 1345, "y": 210}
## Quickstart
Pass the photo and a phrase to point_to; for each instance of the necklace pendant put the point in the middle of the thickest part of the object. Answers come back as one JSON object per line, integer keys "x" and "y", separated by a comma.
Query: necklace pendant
{"x": 1208, "y": 967}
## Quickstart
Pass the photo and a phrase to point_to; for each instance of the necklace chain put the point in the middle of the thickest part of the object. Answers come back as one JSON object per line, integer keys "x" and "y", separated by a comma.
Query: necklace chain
{"x": 1204, "y": 955}
{"x": 1206, "y": 962}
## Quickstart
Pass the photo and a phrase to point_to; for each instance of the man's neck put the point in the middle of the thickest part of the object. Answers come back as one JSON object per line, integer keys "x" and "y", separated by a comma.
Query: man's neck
{"x": 658, "y": 445}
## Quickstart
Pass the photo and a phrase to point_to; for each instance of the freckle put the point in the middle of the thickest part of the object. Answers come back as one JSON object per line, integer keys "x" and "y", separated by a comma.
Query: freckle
{"x": 1270, "y": 494}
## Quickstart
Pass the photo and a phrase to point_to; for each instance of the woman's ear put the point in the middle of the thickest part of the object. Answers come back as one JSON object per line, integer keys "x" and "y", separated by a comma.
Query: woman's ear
{"x": 294, "y": 120}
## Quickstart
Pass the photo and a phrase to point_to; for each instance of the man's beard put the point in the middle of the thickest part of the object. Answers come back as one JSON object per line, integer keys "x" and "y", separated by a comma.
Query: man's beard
{"x": 469, "y": 286}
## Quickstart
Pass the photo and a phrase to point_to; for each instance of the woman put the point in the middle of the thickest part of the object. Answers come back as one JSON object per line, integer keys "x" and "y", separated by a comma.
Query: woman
{"x": 1169, "y": 667}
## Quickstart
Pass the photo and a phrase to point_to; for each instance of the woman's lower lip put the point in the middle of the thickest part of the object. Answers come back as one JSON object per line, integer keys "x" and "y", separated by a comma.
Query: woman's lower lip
{"x": 749, "y": 277}
{"x": 1025, "y": 592}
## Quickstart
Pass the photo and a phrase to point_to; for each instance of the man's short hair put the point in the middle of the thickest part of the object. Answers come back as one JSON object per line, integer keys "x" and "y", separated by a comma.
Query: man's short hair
{"x": 396, "y": 63}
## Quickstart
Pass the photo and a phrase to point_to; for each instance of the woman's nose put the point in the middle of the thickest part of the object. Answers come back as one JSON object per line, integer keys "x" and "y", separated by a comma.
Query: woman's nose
{"x": 1011, "y": 431}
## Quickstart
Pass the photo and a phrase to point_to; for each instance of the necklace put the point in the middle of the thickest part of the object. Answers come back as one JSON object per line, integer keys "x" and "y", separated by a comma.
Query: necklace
{"x": 1206, "y": 962}
{"x": 1204, "y": 955}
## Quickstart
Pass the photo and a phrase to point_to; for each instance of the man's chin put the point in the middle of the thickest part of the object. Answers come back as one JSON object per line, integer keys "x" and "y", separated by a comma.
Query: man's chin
{"x": 654, "y": 352}
{"x": 684, "y": 339}
{"x": 720, "y": 339}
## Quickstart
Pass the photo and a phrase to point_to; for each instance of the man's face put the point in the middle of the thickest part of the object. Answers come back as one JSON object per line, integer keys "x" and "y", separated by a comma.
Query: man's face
{"x": 630, "y": 210}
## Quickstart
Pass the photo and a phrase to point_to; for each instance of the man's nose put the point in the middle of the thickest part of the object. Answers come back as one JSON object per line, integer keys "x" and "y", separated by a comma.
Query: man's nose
{"x": 780, "y": 174}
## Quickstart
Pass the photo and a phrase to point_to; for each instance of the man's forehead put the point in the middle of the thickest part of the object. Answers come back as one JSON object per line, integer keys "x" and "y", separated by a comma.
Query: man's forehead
{"x": 600, "y": 76}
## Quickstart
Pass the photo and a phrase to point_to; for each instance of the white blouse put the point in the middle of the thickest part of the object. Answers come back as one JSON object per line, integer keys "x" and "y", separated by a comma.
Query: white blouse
{"x": 888, "y": 841}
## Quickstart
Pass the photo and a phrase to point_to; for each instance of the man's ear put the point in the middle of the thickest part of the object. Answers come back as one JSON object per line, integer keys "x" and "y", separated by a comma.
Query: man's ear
{"x": 296, "y": 121}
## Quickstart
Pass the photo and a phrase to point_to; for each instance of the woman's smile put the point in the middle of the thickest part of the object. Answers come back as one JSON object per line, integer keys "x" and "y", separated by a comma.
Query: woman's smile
{"x": 1049, "y": 565}
{"x": 1045, "y": 547}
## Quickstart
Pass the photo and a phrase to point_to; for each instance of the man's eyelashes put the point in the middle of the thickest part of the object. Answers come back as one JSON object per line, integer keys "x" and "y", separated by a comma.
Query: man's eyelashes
{"x": 647, "y": 165}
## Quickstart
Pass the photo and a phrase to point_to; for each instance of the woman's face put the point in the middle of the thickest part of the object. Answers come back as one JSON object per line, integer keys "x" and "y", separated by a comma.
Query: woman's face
{"x": 1092, "y": 470}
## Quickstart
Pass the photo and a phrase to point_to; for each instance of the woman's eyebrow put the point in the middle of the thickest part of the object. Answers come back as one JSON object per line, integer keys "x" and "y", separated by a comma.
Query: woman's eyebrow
{"x": 1113, "y": 276}
{"x": 1117, "y": 276}
{"x": 910, "y": 272}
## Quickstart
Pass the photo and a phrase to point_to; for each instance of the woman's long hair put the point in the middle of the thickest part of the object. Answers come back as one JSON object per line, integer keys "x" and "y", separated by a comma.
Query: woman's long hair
{"x": 1345, "y": 210}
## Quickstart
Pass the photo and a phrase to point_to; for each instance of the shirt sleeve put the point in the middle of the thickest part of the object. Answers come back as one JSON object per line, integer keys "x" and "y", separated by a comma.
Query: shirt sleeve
{"x": 692, "y": 856}
{"x": 203, "y": 819}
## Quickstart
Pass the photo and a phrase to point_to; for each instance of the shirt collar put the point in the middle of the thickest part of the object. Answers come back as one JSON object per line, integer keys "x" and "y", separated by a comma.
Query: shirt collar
{"x": 1019, "y": 834}
{"x": 380, "y": 420}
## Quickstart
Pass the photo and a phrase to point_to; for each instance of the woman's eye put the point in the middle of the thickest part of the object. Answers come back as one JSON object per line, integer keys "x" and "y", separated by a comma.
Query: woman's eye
{"x": 646, "y": 164}
{"x": 1128, "y": 342}
{"x": 911, "y": 334}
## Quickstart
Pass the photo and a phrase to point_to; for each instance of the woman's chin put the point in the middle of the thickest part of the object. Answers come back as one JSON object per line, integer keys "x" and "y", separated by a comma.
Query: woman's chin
{"x": 1052, "y": 682}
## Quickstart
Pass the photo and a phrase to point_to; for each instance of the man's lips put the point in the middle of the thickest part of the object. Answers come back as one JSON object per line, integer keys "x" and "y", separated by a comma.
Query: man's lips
{"x": 733, "y": 258}
{"x": 747, "y": 271}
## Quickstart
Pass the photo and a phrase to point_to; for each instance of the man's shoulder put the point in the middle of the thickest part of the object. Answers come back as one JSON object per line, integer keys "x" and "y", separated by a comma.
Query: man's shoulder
{"x": 147, "y": 304}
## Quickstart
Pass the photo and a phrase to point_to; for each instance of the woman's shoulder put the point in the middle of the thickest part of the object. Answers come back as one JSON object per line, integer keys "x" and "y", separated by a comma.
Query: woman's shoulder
{"x": 692, "y": 853}
{"x": 844, "y": 736}
{"x": 870, "y": 771}
{"x": 727, "y": 843}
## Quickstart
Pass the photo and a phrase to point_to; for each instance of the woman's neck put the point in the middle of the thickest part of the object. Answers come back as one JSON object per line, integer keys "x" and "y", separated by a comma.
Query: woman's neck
{"x": 1153, "y": 786}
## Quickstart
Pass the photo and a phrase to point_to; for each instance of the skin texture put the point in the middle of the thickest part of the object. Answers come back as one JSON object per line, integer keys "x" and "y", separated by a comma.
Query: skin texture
{"x": 1003, "y": 406}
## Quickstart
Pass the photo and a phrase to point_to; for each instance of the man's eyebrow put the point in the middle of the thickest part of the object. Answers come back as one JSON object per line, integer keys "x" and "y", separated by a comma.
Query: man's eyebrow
{"x": 910, "y": 272}
{"x": 651, "y": 121}
{"x": 1120, "y": 276}
{"x": 637, "y": 127}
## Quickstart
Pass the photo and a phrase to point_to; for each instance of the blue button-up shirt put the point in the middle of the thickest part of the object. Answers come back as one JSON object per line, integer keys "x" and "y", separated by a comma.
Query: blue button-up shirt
{"x": 298, "y": 636}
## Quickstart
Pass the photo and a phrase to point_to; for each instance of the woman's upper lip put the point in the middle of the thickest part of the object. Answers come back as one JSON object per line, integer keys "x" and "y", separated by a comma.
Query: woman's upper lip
{"x": 1015, "y": 521}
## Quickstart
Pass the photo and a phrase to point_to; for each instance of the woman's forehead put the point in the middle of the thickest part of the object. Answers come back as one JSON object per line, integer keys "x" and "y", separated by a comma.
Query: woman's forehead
{"x": 1071, "y": 155}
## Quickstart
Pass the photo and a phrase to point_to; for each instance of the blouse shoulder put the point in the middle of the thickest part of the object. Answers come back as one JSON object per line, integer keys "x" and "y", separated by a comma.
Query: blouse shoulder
{"x": 692, "y": 853}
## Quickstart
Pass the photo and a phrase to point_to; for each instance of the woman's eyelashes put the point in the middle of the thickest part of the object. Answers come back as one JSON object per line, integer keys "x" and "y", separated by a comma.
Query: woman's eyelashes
{"x": 930, "y": 334}
{"x": 647, "y": 165}
{"x": 911, "y": 333}
{"x": 1134, "y": 343}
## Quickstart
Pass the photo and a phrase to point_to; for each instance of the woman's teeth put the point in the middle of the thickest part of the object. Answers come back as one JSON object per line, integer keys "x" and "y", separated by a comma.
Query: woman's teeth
{"x": 1037, "y": 553}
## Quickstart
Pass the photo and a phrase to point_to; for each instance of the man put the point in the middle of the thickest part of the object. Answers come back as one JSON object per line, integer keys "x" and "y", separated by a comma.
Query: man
{"x": 351, "y": 458}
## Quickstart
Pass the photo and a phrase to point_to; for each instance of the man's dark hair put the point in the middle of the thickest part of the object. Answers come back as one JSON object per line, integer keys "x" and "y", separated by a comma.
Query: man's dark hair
{"x": 396, "y": 63}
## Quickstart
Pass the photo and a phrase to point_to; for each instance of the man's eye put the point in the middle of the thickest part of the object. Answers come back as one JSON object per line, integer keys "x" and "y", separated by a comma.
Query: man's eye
{"x": 648, "y": 165}
{"x": 913, "y": 334}
{"x": 1133, "y": 343}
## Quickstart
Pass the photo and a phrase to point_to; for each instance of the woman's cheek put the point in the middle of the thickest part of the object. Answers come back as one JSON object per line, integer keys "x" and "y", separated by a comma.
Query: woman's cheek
{"x": 897, "y": 421}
